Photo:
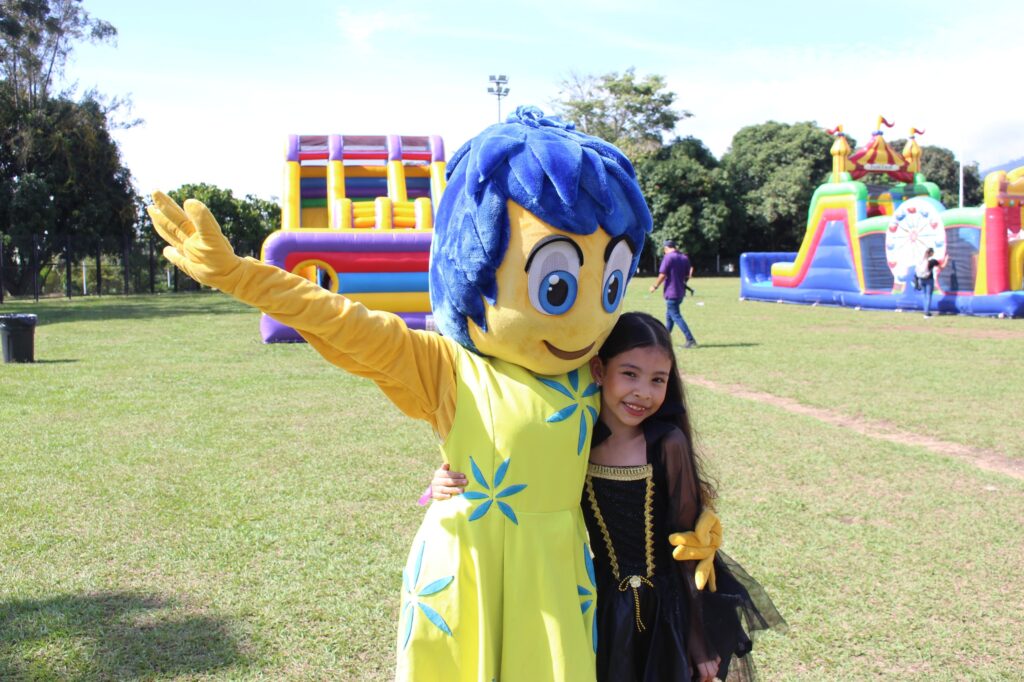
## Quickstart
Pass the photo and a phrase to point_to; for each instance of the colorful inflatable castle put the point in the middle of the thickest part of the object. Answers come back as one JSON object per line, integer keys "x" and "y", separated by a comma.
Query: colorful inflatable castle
{"x": 864, "y": 238}
{"x": 358, "y": 216}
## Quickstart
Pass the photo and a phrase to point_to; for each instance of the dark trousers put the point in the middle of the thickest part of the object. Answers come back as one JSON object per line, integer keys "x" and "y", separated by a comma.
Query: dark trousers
{"x": 674, "y": 317}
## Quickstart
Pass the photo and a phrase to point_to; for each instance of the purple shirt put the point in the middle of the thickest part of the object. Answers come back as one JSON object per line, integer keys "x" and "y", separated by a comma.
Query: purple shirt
{"x": 676, "y": 268}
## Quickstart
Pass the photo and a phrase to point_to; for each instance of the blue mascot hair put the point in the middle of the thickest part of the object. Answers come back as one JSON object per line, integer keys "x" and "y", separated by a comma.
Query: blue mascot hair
{"x": 572, "y": 181}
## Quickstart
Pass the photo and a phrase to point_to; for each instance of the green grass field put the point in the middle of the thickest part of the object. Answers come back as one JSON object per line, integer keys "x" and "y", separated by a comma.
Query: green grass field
{"x": 180, "y": 501}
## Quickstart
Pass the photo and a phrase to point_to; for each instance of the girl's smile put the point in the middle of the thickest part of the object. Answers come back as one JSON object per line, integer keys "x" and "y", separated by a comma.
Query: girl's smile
{"x": 637, "y": 410}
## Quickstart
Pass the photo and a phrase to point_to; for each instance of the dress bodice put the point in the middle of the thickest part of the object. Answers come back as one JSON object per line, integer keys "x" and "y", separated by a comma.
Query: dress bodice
{"x": 514, "y": 428}
{"x": 625, "y": 520}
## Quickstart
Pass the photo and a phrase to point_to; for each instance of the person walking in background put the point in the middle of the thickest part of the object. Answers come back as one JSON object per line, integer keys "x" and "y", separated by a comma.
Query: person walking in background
{"x": 927, "y": 271}
{"x": 674, "y": 273}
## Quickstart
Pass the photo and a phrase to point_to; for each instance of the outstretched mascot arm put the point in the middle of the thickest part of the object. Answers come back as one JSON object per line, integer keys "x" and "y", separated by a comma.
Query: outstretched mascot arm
{"x": 416, "y": 370}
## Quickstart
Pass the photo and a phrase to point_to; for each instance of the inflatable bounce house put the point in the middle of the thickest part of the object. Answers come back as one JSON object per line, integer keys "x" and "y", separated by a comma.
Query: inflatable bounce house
{"x": 864, "y": 239}
{"x": 358, "y": 216}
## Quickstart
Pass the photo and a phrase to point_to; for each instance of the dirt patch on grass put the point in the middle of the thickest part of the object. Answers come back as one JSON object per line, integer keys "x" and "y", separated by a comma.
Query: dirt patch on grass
{"x": 982, "y": 334}
{"x": 989, "y": 460}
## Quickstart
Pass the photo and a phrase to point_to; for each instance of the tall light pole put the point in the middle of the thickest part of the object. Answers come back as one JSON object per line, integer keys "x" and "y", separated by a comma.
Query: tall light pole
{"x": 961, "y": 177}
{"x": 499, "y": 90}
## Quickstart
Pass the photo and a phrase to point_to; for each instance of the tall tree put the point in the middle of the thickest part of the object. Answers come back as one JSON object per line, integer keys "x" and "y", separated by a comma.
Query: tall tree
{"x": 773, "y": 169}
{"x": 61, "y": 174}
{"x": 36, "y": 38}
{"x": 61, "y": 182}
{"x": 690, "y": 199}
{"x": 630, "y": 112}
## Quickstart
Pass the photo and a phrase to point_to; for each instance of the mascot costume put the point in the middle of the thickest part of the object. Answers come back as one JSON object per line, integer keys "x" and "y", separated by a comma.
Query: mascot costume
{"x": 536, "y": 236}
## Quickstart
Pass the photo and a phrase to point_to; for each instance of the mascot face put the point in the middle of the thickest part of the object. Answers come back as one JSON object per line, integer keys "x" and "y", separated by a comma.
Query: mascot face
{"x": 535, "y": 238}
{"x": 559, "y": 295}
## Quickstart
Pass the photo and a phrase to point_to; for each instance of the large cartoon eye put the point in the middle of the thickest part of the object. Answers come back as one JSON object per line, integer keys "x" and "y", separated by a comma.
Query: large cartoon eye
{"x": 552, "y": 271}
{"x": 614, "y": 281}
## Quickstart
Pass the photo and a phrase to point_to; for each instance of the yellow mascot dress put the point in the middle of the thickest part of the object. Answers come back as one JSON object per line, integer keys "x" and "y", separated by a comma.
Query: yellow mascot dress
{"x": 537, "y": 234}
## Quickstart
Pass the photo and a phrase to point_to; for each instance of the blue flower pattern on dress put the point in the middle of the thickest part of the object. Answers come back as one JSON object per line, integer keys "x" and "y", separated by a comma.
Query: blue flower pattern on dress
{"x": 572, "y": 392}
{"x": 493, "y": 495}
{"x": 588, "y": 594}
{"x": 413, "y": 596}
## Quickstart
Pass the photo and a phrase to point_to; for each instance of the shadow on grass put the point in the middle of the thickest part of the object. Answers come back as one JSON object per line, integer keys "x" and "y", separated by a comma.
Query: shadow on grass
{"x": 110, "y": 636}
{"x": 724, "y": 345}
{"x": 56, "y": 362}
{"x": 142, "y": 307}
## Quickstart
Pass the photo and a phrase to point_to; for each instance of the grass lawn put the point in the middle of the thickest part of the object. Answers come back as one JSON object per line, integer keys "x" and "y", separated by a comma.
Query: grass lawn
{"x": 180, "y": 501}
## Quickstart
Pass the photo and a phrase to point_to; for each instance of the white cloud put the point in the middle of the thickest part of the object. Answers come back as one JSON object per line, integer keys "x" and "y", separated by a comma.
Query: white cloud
{"x": 360, "y": 28}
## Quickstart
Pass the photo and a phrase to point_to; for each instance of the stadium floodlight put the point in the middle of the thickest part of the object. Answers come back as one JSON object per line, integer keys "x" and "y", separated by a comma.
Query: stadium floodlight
{"x": 498, "y": 89}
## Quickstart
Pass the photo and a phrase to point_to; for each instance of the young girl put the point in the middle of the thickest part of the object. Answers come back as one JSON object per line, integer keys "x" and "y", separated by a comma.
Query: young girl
{"x": 670, "y": 607}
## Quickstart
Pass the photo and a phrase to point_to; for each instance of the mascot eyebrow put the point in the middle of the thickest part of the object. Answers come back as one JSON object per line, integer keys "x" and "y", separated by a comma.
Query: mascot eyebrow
{"x": 573, "y": 182}
{"x": 579, "y": 252}
{"x": 550, "y": 240}
{"x": 615, "y": 242}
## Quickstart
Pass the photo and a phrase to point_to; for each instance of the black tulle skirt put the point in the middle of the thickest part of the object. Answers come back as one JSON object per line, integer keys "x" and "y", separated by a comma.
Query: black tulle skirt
{"x": 655, "y": 648}
{"x": 655, "y": 653}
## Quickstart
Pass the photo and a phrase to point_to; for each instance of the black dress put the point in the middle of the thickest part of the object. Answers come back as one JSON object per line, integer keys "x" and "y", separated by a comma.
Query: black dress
{"x": 650, "y": 616}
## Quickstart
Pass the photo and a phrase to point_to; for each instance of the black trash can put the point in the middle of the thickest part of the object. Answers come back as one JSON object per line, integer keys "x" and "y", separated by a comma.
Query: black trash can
{"x": 17, "y": 336}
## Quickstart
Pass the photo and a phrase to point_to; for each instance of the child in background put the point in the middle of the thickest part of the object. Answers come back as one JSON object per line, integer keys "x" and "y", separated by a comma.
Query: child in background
{"x": 671, "y": 607}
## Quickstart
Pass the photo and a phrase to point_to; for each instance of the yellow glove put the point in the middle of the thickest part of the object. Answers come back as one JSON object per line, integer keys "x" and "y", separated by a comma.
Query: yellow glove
{"x": 196, "y": 244}
{"x": 700, "y": 544}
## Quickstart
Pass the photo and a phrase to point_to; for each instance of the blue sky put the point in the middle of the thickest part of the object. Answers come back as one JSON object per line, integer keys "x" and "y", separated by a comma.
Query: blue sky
{"x": 220, "y": 85}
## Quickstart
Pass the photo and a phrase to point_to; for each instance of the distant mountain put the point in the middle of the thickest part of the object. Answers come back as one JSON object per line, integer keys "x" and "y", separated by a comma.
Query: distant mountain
{"x": 1008, "y": 166}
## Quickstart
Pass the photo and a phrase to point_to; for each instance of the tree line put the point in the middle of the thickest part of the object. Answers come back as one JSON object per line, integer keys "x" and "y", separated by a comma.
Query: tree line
{"x": 65, "y": 192}
{"x": 755, "y": 198}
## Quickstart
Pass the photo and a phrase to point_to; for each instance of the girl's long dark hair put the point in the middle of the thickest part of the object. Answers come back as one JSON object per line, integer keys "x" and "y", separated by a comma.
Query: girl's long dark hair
{"x": 640, "y": 330}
